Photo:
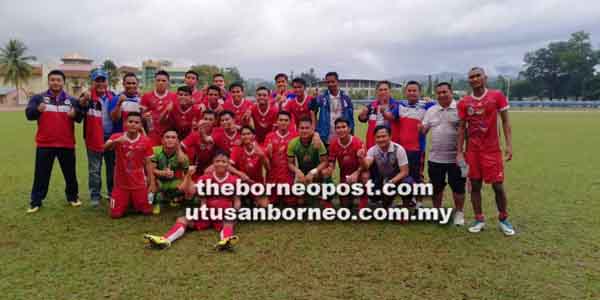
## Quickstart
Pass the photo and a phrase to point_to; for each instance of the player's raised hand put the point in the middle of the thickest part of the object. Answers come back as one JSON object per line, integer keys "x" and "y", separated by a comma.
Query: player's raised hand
{"x": 122, "y": 98}
{"x": 71, "y": 113}
{"x": 169, "y": 173}
{"x": 361, "y": 153}
{"x": 170, "y": 106}
{"x": 191, "y": 170}
{"x": 121, "y": 139}
{"x": 84, "y": 99}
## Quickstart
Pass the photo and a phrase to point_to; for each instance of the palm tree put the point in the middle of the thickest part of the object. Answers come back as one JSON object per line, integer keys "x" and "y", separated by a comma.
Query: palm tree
{"x": 14, "y": 65}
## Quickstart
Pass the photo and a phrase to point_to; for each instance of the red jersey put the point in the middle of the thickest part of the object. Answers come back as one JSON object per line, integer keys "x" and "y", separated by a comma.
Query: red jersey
{"x": 224, "y": 141}
{"x": 250, "y": 163}
{"x": 157, "y": 105}
{"x": 197, "y": 96}
{"x": 279, "y": 159}
{"x": 199, "y": 152}
{"x": 93, "y": 130}
{"x": 264, "y": 122}
{"x": 298, "y": 110}
{"x": 346, "y": 155}
{"x": 238, "y": 110}
{"x": 55, "y": 128}
{"x": 481, "y": 116}
{"x": 131, "y": 161}
{"x": 182, "y": 120}
{"x": 218, "y": 201}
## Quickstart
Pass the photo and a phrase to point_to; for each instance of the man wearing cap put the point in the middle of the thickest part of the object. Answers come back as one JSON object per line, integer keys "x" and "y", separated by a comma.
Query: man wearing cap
{"x": 97, "y": 128}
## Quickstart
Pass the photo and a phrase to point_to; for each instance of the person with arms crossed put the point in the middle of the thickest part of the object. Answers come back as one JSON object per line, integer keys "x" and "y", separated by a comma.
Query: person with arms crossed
{"x": 134, "y": 175}
{"x": 442, "y": 121}
{"x": 219, "y": 175}
{"x": 56, "y": 113}
{"x": 478, "y": 114}
{"x": 97, "y": 128}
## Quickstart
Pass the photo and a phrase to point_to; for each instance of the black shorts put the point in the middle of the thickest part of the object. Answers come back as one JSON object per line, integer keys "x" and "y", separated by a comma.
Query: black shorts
{"x": 437, "y": 174}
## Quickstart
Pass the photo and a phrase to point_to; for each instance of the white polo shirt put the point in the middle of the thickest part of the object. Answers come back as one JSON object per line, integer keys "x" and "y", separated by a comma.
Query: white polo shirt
{"x": 443, "y": 125}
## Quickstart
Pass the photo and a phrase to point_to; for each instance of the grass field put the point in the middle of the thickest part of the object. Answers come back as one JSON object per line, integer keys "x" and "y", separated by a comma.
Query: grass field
{"x": 553, "y": 186}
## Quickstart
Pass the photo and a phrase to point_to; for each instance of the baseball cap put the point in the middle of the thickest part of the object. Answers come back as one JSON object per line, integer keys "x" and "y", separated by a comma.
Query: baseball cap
{"x": 99, "y": 73}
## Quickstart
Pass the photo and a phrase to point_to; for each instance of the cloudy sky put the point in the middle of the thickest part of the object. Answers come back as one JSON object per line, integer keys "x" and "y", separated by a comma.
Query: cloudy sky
{"x": 372, "y": 39}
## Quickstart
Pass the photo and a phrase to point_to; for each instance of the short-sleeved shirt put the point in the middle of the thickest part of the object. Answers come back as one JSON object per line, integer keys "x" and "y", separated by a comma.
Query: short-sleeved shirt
{"x": 219, "y": 201}
{"x": 308, "y": 157}
{"x": 199, "y": 151}
{"x": 346, "y": 155}
{"x": 238, "y": 110}
{"x": 251, "y": 163}
{"x": 156, "y": 105}
{"x": 264, "y": 121}
{"x": 481, "y": 116}
{"x": 164, "y": 161}
{"x": 387, "y": 163}
{"x": 279, "y": 160}
{"x": 131, "y": 161}
{"x": 409, "y": 117}
{"x": 443, "y": 124}
{"x": 224, "y": 141}
{"x": 183, "y": 119}
{"x": 299, "y": 110}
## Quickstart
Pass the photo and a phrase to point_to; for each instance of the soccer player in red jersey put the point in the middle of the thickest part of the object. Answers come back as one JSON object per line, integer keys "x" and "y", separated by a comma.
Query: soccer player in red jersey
{"x": 478, "y": 114}
{"x": 182, "y": 113}
{"x": 154, "y": 107}
{"x": 191, "y": 80}
{"x": 227, "y": 136}
{"x": 264, "y": 115}
{"x": 281, "y": 93}
{"x": 133, "y": 170}
{"x": 250, "y": 163}
{"x": 213, "y": 101}
{"x": 221, "y": 176}
{"x": 275, "y": 145}
{"x": 348, "y": 151}
{"x": 299, "y": 103}
{"x": 240, "y": 106}
{"x": 199, "y": 146}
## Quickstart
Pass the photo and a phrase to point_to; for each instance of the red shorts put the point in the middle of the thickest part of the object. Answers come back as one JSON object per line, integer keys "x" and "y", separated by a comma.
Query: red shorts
{"x": 485, "y": 165}
{"x": 288, "y": 200}
{"x": 121, "y": 198}
{"x": 203, "y": 224}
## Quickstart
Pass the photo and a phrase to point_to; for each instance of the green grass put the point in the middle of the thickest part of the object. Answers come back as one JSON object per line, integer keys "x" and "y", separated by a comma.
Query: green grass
{"x": 553, "y": 188}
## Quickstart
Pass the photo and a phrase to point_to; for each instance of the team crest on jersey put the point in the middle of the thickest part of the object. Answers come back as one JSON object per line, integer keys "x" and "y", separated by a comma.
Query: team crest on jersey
{"x": 68, "y": 102}
{"x": 470, "y": 111}
{"x": 46, "y": 100}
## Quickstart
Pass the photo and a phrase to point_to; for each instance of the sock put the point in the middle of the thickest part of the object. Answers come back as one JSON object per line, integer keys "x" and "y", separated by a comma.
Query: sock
{"x": 226, "y": 232}
{"x": 502, "y": 215}
{"x": 363, "y": 202}
{"x": 326, "y": 204}
{"x": 480, "y": 218}
{"x": 175, "y": 232}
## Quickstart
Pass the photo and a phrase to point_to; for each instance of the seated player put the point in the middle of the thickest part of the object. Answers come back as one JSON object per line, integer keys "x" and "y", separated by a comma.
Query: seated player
{"x": 276, "y": 145}
{"x": 311, "y": 165}
{"x": 133, "y": 168}
{"x": 249, "y": 163}
{"x": 237, "y": 104}
{"x": 198, "y": 145}
{"x": 220, "y": 176}
{"x": 387, "y": 162}
{"x": 348, "y": 151}
{"x": 170, "y": 165}
{"x": 182, "y": 114}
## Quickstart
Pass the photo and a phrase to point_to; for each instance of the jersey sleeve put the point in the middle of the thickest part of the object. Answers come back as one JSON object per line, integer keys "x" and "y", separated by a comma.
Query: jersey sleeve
{"x": 332, "y": 152}
{"x": 322, "y": 150}
{"x": 291, "y": 148}
{"x": 371, "y": 152}
{"x": 114, "y": 136}
{"x": 427, "y": 118}
{"x": 149, "y": 149}
{"x": 235, "y": 156}
{"x": 401, "y": 157}
{"x": 155, "y": 154}
{"x": 460, "y": 107}
{"x": 501, "y": 102}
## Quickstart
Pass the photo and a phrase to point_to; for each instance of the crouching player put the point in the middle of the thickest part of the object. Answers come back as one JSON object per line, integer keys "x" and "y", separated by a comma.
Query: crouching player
{"x": 248, "y": 162}
{"x": 348, "y": 151}
{"x": 220, "y": 176}
{"x": 133, "y": 168}
{"x": 170, "y": 165}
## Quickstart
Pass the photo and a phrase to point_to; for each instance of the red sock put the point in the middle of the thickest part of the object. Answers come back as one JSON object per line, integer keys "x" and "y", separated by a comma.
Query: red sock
{"x": 480, "y": 218}
{"x": 175, "y": 232}
{"x": 226, "y": 232}
{"x": 363, "y": 202}
{"x": 502, "y": 215}
{"x": 326, "y": 204}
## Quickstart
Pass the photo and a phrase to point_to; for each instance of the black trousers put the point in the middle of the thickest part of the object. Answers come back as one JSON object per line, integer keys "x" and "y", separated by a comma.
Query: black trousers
{"x": 44, "y": 160}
